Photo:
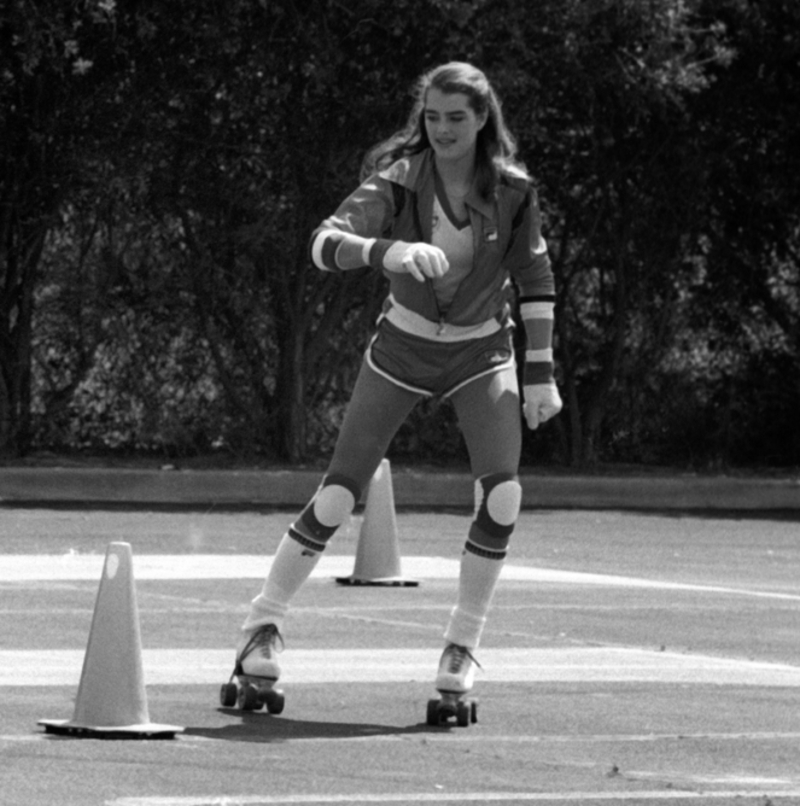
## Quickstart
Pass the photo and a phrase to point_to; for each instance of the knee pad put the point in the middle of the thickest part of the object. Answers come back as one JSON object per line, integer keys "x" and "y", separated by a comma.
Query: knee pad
{"x": 331, "y": 505}
{"x": 498, "y": 498}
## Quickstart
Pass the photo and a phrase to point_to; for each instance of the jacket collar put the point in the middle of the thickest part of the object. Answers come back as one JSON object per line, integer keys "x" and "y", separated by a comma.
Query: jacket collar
{"x": 416, "y": 174}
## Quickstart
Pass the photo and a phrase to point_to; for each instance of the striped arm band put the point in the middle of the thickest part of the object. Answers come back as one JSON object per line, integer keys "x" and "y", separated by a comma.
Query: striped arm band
{"x": 539, "y": 356}
{"x": 538, "y": 367}
{"x": 537, "y": 371}
{"x": 536, "y": 309}
{"x": 537, "y": 315}
{"x": 333, "y": 250}
{"x": 323, "y": 249}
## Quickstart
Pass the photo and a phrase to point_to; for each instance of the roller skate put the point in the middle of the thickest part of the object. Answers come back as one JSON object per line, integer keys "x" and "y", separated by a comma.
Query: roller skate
{"x": 454, "y": 682}
{"x": 257, "y": 672}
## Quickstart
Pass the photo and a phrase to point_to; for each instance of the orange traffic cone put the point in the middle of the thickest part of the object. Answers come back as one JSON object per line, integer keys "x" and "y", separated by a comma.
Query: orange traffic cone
{"x": 112, "y": 701}
{"x": 377, "y": 551}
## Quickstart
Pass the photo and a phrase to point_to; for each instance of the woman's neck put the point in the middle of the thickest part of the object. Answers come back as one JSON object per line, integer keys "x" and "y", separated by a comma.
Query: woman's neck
{"x": 456, "y": 175}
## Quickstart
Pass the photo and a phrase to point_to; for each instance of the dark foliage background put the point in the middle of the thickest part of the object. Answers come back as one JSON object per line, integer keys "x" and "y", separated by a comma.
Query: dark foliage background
{"x": 162, "y": 165}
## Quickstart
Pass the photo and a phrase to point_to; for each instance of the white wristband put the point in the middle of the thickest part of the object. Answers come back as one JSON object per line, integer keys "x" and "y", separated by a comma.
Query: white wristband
{"x": 538, "y": 356}
{"x": 536, "y": 310}
{"x": 368, "y": 244}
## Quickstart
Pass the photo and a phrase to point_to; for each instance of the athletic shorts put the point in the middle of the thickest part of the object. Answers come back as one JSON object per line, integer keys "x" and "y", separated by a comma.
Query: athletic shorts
{"x": 433, "y": 368}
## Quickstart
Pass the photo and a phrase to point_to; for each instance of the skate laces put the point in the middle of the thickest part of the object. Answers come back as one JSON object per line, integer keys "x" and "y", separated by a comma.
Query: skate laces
{"x": 264, "y": 640}
{"x": 457, "y": 657}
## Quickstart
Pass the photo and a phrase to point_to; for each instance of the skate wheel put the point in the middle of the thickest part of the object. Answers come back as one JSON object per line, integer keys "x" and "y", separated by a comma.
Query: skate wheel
{"x": 228, "y": 694}
{"x": 275, "y": 701}
{"x": 248, "y": 698}
{"x": 433, "y": 713}
{"x": 462, "y": 715}
{"x": 473, "y": 712}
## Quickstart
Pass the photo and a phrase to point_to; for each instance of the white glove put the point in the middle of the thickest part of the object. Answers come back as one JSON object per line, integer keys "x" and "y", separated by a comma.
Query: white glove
{"x": 420, "y": 260}
{"x": 542, "y": 402}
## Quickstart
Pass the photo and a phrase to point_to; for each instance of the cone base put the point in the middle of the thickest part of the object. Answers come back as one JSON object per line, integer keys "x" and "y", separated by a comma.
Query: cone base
{"x": 148, "y": 730}
{"x": 386, "y": 582}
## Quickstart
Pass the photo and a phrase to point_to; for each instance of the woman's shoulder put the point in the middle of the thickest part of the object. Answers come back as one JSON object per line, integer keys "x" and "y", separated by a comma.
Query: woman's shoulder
{"x": 406, "y": 170}
{"x": 515, "y": 177}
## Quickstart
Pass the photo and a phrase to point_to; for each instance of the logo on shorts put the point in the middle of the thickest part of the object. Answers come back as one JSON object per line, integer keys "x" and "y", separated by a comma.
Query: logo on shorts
{"x": 497, "y": 357}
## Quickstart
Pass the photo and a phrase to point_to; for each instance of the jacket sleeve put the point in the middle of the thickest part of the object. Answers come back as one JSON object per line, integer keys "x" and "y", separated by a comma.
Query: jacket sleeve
{"x": 529, "y": 265}
{"x": 527, "y": 259}
{"x": 352, "y": 237}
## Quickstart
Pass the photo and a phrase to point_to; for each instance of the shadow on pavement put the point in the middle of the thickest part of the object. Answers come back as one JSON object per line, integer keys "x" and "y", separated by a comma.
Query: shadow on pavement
{"x": 262, "y": 727}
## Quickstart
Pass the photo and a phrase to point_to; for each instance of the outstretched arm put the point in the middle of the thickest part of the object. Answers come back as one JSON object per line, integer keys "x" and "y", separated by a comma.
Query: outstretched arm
{"x": 351, "y": 237}
{"x": 344, "y": 251}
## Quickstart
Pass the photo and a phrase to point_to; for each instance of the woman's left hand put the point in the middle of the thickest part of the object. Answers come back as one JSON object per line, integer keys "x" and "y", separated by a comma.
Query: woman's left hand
{"x": 542, "y": 401}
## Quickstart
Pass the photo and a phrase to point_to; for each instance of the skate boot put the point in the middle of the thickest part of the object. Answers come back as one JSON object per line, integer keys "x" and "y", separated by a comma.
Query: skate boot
{"x": 257, "y": 671}
{"x": 453, "y": 682}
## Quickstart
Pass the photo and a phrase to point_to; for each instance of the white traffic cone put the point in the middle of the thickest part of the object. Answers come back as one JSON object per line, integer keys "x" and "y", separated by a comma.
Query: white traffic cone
{"x": 112, "y": 701}
{"x": 378, "y": 551}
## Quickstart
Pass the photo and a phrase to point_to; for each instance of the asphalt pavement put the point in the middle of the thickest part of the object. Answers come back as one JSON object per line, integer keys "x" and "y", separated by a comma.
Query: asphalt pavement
{"x": 631, "y": 657}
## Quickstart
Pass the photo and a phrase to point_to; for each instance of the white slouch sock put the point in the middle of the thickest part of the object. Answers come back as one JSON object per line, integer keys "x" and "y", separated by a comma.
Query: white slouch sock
{"x": 291, "y": 567}
{"x": 476, "y": 586}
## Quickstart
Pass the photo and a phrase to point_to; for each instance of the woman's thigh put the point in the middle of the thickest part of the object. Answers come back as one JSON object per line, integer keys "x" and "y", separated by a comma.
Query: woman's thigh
{"x": 376, "y": 410}
{"x": 489, "y": 414}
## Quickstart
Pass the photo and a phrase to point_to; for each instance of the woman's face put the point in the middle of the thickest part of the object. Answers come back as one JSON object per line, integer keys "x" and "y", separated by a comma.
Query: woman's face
{"x": 451, "y": 124}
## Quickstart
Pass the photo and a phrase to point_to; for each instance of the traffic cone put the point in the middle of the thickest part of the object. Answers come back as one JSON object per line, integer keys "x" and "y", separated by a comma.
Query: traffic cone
{"x": 112, "y": 701}
{"x": 377, "y": 551}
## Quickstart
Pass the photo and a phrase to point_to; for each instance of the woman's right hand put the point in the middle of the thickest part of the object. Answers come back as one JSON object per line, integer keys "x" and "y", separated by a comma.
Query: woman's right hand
{"x": 420, "y": 260}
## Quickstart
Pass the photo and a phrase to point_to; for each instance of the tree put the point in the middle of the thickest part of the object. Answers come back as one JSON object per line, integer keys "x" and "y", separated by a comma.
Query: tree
{"x": 255, "y": 106}
{"x": 169, "y": 160}
{"x": 47, "y": 94}
{"x": 750, "y": 281}
{"x": 599, "y": 91}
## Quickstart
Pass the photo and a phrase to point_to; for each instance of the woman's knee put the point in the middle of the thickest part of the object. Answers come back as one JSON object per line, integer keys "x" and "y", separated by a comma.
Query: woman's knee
{"x": 330, "y": 507}
{"x": 498, "y": 499}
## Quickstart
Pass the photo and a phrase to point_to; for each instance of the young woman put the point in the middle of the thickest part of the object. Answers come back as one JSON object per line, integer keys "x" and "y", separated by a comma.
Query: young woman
{"x": 451, "y": 218}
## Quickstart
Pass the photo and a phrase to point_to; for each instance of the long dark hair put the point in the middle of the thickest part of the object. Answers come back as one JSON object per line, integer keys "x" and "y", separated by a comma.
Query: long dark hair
{"x": 496, "y": 148}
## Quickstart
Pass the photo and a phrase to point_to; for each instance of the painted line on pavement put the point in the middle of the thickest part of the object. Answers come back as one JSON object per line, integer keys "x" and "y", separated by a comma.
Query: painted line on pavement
{"x": 89, "y": 567}
{"x": 303, "y": 666}
{"x": 639, "y": 796}
{"x": 494, "y": 739}
{"x": 471, "y": 738}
